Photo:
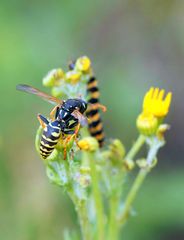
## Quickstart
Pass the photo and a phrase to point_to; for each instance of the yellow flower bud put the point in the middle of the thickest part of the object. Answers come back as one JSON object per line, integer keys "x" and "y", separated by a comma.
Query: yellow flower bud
{"x": 88, "y": 144}
{"x": 129, "y": 164}
{"x": 117, "y": 148}
{"x": 53, "y": 78}
{"x": 147, "y": 123}
{"x": 73, "y": 77}
{"x": 83, "y": 64}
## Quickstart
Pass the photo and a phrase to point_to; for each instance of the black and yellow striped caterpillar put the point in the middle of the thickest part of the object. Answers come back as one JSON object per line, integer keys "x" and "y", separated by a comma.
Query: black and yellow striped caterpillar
{"x": 95, "y": 123}
{"x": 95, "y": 126}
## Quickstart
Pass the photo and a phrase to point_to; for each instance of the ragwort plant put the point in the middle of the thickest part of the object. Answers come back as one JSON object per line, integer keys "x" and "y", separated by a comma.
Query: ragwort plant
{"x": 94, "y": 177}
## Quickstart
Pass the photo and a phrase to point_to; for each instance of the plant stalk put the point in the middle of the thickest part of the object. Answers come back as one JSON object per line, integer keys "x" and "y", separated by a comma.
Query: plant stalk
{"x": 113, "y": 224}
{"x": 81, "y": 209}
{"x": 97, "y": 199}
{"x": 132, "y": 194}
{"x": 136, "y": 147}
{"x": 139, "y": 180}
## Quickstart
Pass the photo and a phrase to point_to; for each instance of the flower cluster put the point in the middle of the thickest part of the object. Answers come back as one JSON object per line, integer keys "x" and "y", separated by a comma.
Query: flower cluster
{"x": 94, "y": 177}
{"x": 71, "y": 83}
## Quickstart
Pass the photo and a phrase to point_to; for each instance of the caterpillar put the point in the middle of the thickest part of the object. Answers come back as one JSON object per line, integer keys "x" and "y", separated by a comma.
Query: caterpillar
{"x": 95, "y": 125}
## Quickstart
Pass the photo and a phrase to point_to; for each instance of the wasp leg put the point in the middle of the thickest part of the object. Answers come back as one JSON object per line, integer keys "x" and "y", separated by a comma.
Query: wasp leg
{"x": 54, "y": 113}
{"x": 43, "y": 121}
{"x": 73, "y": 133}
{"x": 76, "y": 133}
{"x": 64, "y": 153}
{"x": 77, "y": 129}
{"x": 68, "y": 139}
{"x": 69, "y": 132}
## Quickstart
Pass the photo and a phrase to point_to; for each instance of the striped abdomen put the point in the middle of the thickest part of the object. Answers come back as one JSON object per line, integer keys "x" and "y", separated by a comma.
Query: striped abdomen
{"x": 49, "y": 139}
{"x": 95, "y": 125}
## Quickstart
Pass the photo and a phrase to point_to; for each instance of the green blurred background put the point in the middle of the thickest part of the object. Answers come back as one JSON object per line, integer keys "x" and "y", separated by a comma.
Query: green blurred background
{"x": 133, "y": 45}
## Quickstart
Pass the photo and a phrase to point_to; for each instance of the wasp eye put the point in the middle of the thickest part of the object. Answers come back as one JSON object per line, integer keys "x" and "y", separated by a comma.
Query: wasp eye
{"x": 71, "y": 108}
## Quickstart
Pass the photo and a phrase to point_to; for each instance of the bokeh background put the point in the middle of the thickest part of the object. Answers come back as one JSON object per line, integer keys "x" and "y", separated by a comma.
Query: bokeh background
{"x": 133, "y": 45}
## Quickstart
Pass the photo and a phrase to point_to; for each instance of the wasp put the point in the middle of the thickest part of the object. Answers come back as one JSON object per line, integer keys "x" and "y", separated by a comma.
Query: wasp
{"x": 65, "y": 119}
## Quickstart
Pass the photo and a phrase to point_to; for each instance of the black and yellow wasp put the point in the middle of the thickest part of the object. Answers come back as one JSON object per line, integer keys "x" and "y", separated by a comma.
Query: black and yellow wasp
{"x": 66, "y": 118}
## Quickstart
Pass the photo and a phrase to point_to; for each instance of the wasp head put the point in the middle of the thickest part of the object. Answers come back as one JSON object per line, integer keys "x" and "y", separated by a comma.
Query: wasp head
{"x": 75, "y": 104}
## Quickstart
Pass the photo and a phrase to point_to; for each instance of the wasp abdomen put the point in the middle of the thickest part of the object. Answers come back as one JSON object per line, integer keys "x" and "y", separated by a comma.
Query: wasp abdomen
{"x": 95, "y": 126}
{"x": 49, "y": 139}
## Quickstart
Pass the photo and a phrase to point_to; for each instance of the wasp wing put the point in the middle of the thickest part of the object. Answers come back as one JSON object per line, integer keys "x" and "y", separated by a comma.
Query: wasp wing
{"x": 35, "y": 91}
{"x": 82, "y": 119}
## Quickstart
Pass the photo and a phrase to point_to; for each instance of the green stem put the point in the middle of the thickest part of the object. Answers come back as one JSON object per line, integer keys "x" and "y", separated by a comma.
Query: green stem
{"x": 135, "y": 148}
{"x": 132, "y": 194}
{"x": 81, "y": 209}
{"x": 97, "y": 199}
{"x": 117, "y": 181}
{"x": 139, "y": 180}
{"x": 113, "y": 225}
{"x": 84, "y": 221}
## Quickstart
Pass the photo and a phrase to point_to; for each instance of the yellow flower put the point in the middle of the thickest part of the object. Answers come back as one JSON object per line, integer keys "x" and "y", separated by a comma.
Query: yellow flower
{"x": 88, "y": 144}
{"x": 83, "y": 64}
{"x": 155, "y": 108}
{"x": 155, "y": 103}
{"x": 73, "y": 77}
{"x": 54, "y": 78}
